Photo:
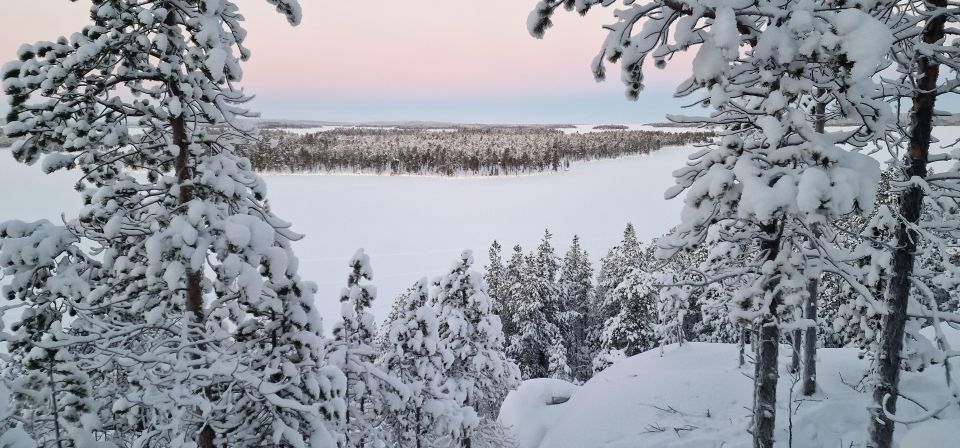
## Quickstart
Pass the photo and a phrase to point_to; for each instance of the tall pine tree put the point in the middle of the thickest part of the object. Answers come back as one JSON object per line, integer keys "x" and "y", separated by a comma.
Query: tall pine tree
{"x": 183, "y": 305}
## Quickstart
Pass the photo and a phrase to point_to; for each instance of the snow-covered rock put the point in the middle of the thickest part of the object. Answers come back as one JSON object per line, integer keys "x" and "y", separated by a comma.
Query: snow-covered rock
{"x": 533, "y": 408}
{"x": 695, "y": 395}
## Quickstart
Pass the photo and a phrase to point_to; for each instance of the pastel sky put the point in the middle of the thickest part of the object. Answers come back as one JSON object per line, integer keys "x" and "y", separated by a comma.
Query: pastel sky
{"x": 445, "y": 60}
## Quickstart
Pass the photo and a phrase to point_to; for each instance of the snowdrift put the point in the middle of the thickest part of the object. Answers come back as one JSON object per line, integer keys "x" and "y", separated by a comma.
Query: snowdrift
{"x": 695, "y": 396}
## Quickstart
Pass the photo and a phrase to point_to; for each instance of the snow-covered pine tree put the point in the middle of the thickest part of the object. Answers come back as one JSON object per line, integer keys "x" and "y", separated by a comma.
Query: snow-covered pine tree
{"x": 546, "y": 259}
{"x": 496, "y": 277}
{"x": 613, "y": 268}
{"x": 533, "y": 344}
{"x": 371, "y": 393}
{"x": 577, "y": 296}
{"x": 633, "y": 329}
{"x": 557, "y": 365}
{"x": 538, "y": 344}
{"x": 546, "y": 265}
{"x": 512, "y": 291}
{"x": 412, "y": 353}
{"x": 673, "y": 308}
{"x": 619, "y": 262}
{"x": 928, "y": 68}
{"x": 706, "y": 316}
{"x": 718, "y": 301}
{"x": 191, "y": 320}
{"x": 771, "y": 177}
{"x": 471, "y": 343}
{"x": 847, "y": 321}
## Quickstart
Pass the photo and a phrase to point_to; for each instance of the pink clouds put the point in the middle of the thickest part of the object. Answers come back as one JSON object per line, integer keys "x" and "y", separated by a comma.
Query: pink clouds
{"x": 425, "y": 48}
{"x": 386, "y": 49}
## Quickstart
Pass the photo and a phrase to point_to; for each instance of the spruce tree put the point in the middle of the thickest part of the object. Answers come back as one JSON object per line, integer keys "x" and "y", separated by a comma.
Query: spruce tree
{"x": 576, "y": 289}
{"x": 540, "y": 312}
{"x": 471, "y": 343}
{"x": 412, "y": 353}
{"x": 633, "y": 329}
{"x": 497, "y": 282}
{"x": 370, "y": 392}
{"x": 620, "y": 262}
{"x": 512, "y": 291}
{"x": 532, "y": 345}
{"x": 614, "y": 267}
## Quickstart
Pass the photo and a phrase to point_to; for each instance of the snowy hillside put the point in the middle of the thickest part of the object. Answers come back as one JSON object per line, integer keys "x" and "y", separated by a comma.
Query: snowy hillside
{"x": 695, "y": 396}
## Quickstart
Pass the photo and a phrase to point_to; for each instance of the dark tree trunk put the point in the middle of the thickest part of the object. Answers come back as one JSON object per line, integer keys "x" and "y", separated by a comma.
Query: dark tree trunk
{"x": 419, "y": 429}
{"x": 810, "y": 339}
{"x": 744, "y": 337}
{"x": 193, "y": 290}
{"x": 57, "y": 431}
{"x": 768, "y": 352}
{"x": 765, "y": 385}
{"x": 797, "y": 347}
{"x": 813, "y": 285}
{"x": 886, "y": 389}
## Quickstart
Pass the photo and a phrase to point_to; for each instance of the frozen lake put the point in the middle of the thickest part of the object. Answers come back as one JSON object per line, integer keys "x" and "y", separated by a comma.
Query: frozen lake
{"x": 417, "y": 226}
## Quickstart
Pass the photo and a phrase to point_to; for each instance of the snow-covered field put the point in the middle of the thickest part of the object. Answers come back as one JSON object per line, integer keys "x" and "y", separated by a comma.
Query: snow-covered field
{"x": 695, "y": 396}
{"x": 416, "y": 226}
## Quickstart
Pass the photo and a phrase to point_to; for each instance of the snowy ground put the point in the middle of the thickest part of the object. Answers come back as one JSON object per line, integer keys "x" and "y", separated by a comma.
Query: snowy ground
{"x": 695, "y": 396}
{"x": 417, "y": 226}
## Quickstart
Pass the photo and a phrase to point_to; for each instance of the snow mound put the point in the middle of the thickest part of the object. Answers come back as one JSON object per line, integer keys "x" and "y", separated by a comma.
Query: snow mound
{"x": 695, "y": 395}
{"x": 533, "y": 407}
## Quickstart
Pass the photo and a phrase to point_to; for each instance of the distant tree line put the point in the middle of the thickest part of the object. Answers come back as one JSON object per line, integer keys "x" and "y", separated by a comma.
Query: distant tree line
{"x": 484, "y": 152}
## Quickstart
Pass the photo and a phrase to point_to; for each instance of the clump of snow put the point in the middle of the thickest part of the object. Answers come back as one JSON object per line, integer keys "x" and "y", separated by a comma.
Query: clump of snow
{"x": 695, "y": 395}
{"x": 534, "y": 407}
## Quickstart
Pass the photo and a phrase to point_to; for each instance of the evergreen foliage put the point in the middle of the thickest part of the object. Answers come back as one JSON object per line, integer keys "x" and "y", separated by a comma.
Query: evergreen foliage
{"x": 174, "y": 293}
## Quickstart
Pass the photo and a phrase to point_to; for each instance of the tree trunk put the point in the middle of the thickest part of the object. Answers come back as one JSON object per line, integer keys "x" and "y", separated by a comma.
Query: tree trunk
{"x": 194, "y": 290}
{"x": 887, "y": 375}
{"x": 796, "y": 346}
{"x": 744, "y": 335}
{"x": 810, "y": 339}
{"x": 57, "y": 431}
{"x": 765, "y": 385}
{"x": 768, "y": 352}
{"x": 813, "y": 286}
{"x": 419, "y": 429}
